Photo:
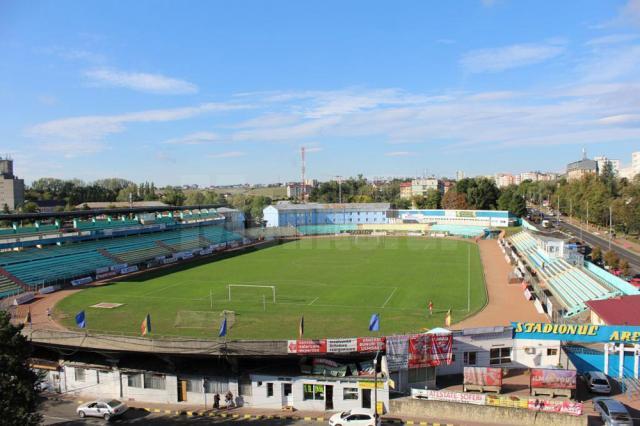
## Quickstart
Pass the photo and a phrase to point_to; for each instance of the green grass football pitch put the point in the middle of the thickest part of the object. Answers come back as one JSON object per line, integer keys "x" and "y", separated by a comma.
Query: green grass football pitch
{"x": 335, "y": 283}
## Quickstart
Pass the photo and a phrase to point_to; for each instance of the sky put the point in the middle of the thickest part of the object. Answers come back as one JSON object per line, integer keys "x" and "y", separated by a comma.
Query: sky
{"x": 217, "y": 93}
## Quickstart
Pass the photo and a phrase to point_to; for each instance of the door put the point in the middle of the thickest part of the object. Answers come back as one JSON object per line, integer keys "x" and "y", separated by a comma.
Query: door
{"x": 328, "y": 401}
{"x": 287, "y": 395}
{"x": 182, "y": 390}
{"x": 366, "y": 398}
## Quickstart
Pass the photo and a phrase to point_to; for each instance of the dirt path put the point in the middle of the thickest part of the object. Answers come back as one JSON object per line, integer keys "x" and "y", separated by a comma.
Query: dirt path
{"x": 39, "y": 314}
{"x": 506, "y": 301}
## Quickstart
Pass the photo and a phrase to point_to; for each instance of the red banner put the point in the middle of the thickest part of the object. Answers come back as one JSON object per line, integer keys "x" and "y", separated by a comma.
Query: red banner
{"x": 553, "y": 379}
{"x": 371, "y": 344}
{"x": 429, "y": 350}
{"x": 551, "y": 406}
{"x": 307, "y": 346}
{"x": 483, "y": 376}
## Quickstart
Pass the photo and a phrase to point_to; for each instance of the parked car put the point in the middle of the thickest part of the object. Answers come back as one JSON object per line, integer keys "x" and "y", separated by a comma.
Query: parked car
{"x": 597, "y": 382}
{"x": 635, "y": 281}
{"x": 102, "y": 408}
{"x": 612, "y": 412}
{"x": 354, "y": 418}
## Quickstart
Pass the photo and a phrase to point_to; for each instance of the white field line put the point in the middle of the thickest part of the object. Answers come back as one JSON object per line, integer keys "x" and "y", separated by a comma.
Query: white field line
{"x": 313, "y": 301}
{"x": 389, "y": 298}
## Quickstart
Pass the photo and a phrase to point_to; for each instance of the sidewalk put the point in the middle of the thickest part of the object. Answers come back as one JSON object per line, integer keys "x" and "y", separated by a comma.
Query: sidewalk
{"x": 246, "y": 413}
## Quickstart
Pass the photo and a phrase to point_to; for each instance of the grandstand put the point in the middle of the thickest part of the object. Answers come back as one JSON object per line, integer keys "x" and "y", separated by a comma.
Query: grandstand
{"x": 571, "y": 285}
{"x": 56, "y": 264}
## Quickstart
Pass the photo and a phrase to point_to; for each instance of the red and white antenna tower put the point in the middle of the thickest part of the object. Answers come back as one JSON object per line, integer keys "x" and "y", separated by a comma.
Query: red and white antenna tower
{"x": 304, "y": 187}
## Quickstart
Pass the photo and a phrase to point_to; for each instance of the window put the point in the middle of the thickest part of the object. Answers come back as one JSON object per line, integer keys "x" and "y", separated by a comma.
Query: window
{"x": 287, "y": 389}
{"x": 154, "y": 381}
{"x": 421, "y": 375}
{"x": 102, "y": 376}
{"x": 313, "y": 392}
{"x": 499, "y": 356}
{"x": 552, "y": 351}
{"x": 469, "y": 358}
{"x": 269, "y": 389}
{"x": 350, "y": 393}
{"x": 79, "y": 374}
{"x": 219, "y": 385}
{"x": 194, "y": 385}
{"x": 134, "y": 380}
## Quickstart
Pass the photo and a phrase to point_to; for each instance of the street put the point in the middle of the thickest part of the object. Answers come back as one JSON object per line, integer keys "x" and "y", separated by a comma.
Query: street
{"x": 602, "y": 242}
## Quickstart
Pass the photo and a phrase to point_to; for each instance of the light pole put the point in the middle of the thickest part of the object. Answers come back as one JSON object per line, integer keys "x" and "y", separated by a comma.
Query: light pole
{"x": 375, "y": 387}
{"x": 558, "y": 218}
{"x": 610, "y": 225}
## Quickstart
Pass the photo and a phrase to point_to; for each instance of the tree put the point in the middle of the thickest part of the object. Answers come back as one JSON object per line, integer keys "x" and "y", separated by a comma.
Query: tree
{"x": 596, "y": 254}
{"x": 173, "y": 196}
{"x": 611, "y": 259}
{"x": 18, "y": 383}
{"x": 624, "y": 267}
{"x": 30, "y": 207}
{"x": 433, "y": 199}
{"x": 453, "y": 200}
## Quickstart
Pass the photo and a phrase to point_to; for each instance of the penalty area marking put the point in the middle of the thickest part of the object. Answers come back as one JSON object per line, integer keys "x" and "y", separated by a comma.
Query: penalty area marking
{"x": 314, "y": 300}
{"x": 106, "y": 305}
{"x": 389, "y": 298}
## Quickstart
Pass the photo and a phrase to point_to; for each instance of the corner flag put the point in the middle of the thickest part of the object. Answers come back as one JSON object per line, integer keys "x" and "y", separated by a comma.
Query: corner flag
{"x": 223, "y": 328}
{"x": 146, "y": 325}
{"x": 374, "y": 323}
{"x": 80, "y": 320}
{"x": 447, "y": 319}
{"x": 27, "y": 319}
{"x": 301, "y": 327}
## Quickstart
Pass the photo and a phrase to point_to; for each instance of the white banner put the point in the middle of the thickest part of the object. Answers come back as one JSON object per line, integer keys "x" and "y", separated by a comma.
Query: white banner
{"x": 129, "y": 269}
{"x": 81, "y": 281}
{"x": 118, "y": 266}
{"x": 104, "y": 275}
{"x": 102, "y": 270}
{"x": 448, "y": 396}
{"x": 342, "y": 345}
{"x": 50, "y": 289}
{"x": 170, "y": 260}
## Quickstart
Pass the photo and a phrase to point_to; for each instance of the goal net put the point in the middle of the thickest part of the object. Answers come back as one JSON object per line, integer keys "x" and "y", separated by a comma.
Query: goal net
{"x": 249, "y": 291}
{"x": 203, "y": 319}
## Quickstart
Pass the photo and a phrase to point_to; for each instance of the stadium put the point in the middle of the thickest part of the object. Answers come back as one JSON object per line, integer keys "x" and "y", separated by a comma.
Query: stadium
{"x": 172, "y": 305}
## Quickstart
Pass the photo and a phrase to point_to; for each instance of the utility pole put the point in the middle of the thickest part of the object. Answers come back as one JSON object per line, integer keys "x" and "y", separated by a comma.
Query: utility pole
{"x": 610, "y": 225}
{"x": 304, "y": 187}
{"x": 571, "y": 211}
{"x": 587, "y": 216}
{"x": 339, "y": 178}
{"x": 558, "y": 218}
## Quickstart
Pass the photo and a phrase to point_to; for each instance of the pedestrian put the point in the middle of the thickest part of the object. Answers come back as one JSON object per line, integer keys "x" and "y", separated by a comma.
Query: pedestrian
{"x": 430, "y": 307}
{"x": 49, "y": 313}
{"x": 216, "y": 401}
{"x": 228, "y": 398}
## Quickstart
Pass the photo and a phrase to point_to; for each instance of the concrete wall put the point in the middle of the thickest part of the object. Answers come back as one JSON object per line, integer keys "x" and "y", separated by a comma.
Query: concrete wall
{"x": 496, "y": 415}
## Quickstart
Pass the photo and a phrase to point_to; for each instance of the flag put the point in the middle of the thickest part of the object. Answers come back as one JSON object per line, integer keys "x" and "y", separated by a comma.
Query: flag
{"x": 374, "y": 323}
{"x": 447, "y": 319}
{"x": 27, "y": 319}
{"x": 301, "y": 327}
{"x": 146, "y": 325}
{"x": 223, "y": 328}
{"x": 80, "y": 320}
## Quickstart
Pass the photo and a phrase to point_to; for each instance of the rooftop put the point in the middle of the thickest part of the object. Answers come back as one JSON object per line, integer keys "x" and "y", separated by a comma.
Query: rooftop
{"x": 621, "y": 310}
{"x": 287, "y": 205}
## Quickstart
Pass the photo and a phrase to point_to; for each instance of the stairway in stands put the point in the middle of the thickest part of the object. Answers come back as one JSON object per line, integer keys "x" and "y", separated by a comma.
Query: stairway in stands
{"x": 10, "y": 285}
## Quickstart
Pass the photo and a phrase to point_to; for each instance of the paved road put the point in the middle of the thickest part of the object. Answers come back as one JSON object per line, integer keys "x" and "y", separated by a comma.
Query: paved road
{"x": 603, "y": 243}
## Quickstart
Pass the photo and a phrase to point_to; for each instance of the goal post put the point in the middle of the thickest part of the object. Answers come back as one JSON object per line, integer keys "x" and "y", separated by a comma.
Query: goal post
{"x": 272, "y": 287}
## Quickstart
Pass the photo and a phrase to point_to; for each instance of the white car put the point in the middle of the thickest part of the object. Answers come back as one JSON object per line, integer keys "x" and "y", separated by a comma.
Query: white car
{"x": 102, "y": 408}
{"x": 597, "y": 382}
{"x": 354, "y": 417}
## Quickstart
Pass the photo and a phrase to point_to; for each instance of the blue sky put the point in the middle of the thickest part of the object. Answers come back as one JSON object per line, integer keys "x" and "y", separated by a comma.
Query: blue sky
{"x": 227, "y": 92}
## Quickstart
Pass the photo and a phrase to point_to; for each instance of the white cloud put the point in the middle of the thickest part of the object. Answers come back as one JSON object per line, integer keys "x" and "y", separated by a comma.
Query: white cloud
{"x": 397, "y": 154}
{"x": 611, "y": 39}
{"x": 142, "y": 82}
{"x": 631, "y": 12}
{"x": 508, "y": 57}
{"x": 620, "y": 119}
{"x": 196, "y": 138}
{"x": 94, "y": 128}
{"x": 229, "y": 154}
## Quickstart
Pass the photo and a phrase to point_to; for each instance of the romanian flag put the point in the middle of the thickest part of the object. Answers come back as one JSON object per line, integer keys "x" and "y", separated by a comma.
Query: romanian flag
{"x": 447, "y": 319}
{"x": 27, "y": 319}
{"x": 145, "y": 328}
{"x": 301, "y": 327}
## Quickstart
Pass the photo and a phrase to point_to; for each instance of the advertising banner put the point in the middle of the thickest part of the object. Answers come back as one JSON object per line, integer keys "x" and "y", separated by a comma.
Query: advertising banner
{"x": 551, "y": 406}
{"x": 118, "y": 267}
{"x": 129, "y": 270}
{"x": 342, "y": 345}
{"x": 448, "y": 396}
{"x": 102, "y": 270}
{"x": 483, "y": 376}
{"x": 576, "y": 332}
{"x": 81, "y": 281}
{"x": 307, "y": 346}
{"x": 429, "y": 350}
{"x": 371, "y": 344}
{"x": 553, "y": 379}
{"x": 507, "y": 401}
{"x": 169, "y": 260}
{"x": 106, "y": 275}
{"x": 397, "y": 352}
{"x": 50, "y": 289}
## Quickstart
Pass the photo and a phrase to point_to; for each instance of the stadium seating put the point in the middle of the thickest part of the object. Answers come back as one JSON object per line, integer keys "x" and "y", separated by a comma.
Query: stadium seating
{"x": 104, "y": 224}
{"x": 28, "y": 230}
{"x": 572, "y": 285}
{"x": 8, "y": 287}
{"x": 52, "y": 264}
